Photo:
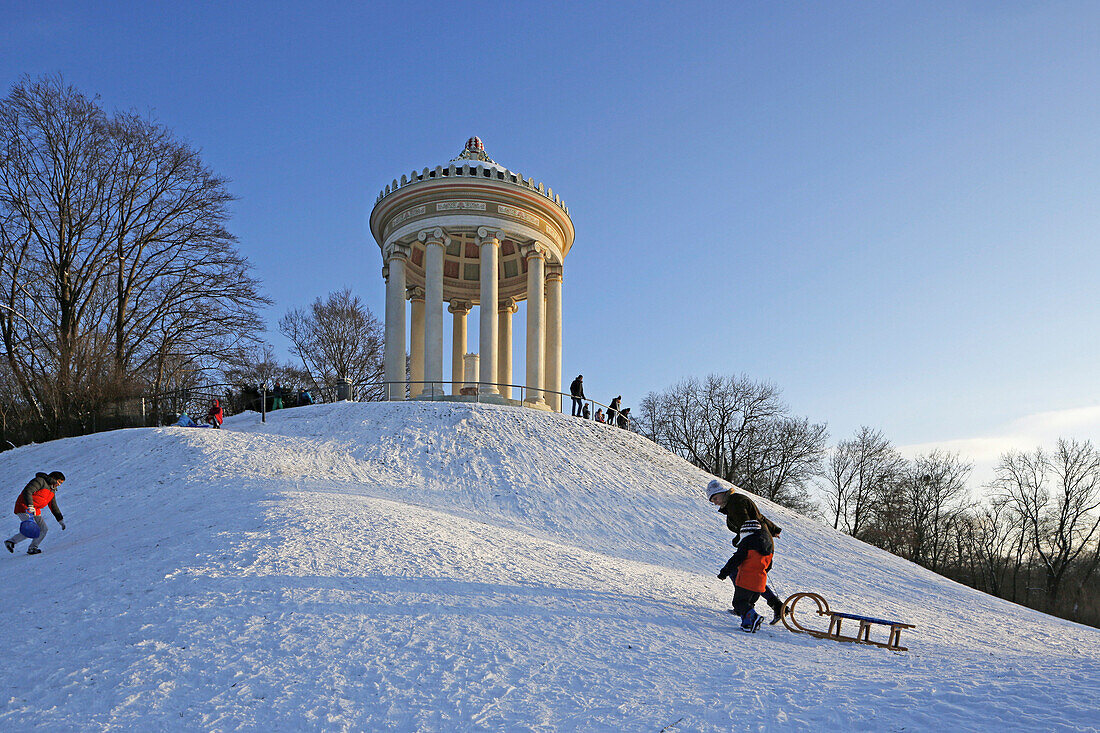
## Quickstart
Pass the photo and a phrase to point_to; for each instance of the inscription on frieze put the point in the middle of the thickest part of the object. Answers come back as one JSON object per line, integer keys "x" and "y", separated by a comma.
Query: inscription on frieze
{"x": 519, "y": 214}
{"x": 405, "y": 215}
{"x": 460, "y": 206}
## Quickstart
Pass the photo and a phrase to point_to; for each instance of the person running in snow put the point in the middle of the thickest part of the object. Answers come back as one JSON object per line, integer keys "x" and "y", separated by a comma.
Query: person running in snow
{"x": 739, "y": 509}
{"x": 215, "y": 415}
{"x": 40, "y": 492}
{"x": 749, "y": 566}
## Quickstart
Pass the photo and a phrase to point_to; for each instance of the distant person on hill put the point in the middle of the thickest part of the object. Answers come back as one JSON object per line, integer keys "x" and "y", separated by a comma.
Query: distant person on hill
{"x": 576, "y": 391}
{"x": 749, "y": 566}
{"x": 277, "y": 396}
{"x": 40, "y": 492}
{"x": 613, "y": 409}
{"x": 599, "y": 415}
{"x": 587, "y": 414}
{"x": 250, "y": 398}
{"x": 739, "y": 509}
{"x": 215, "y": 415}
{"x": 623, "y": 420}
{"x": 305, "y": 398}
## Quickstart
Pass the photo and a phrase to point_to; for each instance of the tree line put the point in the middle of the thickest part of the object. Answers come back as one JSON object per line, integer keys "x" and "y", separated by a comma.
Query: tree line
{"x": 1032, "y": 535}
{"x": 119, "y": 277}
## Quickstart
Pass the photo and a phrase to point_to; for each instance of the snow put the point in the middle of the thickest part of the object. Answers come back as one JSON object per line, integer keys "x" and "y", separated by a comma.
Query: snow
{"x": 447, "y": 566}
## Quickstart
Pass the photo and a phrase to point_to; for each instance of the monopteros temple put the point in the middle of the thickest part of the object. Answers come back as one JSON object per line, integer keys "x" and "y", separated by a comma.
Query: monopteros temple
{"x": 472, "y": 233}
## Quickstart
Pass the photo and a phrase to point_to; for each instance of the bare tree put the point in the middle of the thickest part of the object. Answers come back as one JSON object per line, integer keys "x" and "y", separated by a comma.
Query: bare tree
{"x": 932, "y": 490}
{"x": 52, "y": 175}
{"x": 739, "y": 430}
{"x": 990, "y": 531}
{"x": 781, "y": 459}
{"x": 1057, "y": 495}
{"x": 179, "y": 284}
{"x": 337, "y": 339}
{"x": 115, "y": 267}
{"x": 857, "y": 472}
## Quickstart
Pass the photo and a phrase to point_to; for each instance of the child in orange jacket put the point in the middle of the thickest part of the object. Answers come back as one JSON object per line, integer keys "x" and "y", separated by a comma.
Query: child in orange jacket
{"x": 39, "y": 493}
{"x": 751, "y": 563}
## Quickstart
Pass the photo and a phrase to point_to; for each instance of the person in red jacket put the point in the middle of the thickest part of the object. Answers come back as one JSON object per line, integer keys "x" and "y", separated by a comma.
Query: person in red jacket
{"x": 739, "y": 508}
{"x": 749, "y": 565}
{"x": 215, "y": 415}
{"x": 40, "y": 492}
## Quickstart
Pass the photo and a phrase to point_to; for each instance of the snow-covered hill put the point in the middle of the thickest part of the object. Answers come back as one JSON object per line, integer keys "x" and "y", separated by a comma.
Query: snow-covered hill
{"x": 414, "y": 566}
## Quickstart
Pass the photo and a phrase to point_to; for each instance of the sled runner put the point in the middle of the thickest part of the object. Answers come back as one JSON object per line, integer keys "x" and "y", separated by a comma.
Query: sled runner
{"x": 863, "y": 634}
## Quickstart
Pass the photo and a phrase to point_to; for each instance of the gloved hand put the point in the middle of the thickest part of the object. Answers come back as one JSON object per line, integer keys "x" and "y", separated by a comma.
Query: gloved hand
{"x": 62, "y": 523}
{"x": 722, "y": 574}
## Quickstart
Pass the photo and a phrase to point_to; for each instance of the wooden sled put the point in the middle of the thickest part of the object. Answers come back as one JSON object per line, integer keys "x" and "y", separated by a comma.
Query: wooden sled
{"x": 863, "y": 634}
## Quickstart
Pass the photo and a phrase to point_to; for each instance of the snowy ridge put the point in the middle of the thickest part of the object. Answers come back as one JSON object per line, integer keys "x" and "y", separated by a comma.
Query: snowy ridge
{"x": 416, "y": 566}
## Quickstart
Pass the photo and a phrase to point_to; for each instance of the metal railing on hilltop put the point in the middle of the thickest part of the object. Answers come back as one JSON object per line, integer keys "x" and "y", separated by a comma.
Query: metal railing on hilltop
{"x": 166, "y": 408}
{"x": 438, "y": 392}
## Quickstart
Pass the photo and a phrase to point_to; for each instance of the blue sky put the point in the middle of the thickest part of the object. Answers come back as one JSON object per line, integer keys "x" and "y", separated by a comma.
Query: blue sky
{"x": 887, "y": 209}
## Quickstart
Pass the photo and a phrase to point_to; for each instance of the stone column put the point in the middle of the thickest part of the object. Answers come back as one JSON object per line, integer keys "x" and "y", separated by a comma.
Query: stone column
{"x": 393, "y": 359}
{"x": 459, "y": 309}
{"x": 489, "y": 241}
{"x": 553, "y": 335}
{"x": 507, "y": 307}
{"x": 536, "y": 286}
{"x": 416, "y": 343}
{"x": 434, "y": 244}
{"x": 471, "y": 367}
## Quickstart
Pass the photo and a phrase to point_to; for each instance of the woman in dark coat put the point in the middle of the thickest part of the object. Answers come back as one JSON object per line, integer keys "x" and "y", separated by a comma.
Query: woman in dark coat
{"x": 740, "y": 509}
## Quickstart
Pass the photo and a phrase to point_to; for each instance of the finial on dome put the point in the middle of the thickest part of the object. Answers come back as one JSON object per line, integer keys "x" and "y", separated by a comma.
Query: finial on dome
{"x": 474, "y": 150}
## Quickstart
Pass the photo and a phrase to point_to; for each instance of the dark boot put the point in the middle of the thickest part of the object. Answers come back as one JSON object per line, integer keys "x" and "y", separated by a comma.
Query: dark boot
{"x": 777, "y": 611}
{"x": 34, "y": 551}
{"x": 10, "y": 545}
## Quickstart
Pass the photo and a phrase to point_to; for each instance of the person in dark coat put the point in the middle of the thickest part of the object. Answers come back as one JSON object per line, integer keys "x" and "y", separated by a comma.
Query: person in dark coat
{"x": 576, "y": 391}
{"x": 613, "y": 409}
{"x": 587, "y": 412}
{"x": 739, "y": 509}
{"x": 749, "y": 567}
{"x": 277, "y": 396}
{"x": 39, "y": 493}
{"x": 599, "y": 415}
{"x": 623, "y": 420}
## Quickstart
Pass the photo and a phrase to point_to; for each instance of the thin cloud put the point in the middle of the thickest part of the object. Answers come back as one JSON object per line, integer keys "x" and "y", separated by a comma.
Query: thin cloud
{"x": 1022, "y": 434}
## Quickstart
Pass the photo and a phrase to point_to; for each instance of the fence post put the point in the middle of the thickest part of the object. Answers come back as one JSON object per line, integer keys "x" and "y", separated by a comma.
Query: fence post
{"x": 263, "y": 404}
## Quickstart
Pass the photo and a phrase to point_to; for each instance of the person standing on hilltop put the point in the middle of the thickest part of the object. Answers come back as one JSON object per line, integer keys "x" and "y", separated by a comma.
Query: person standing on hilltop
{"x": 40, "y": 492}
{"x": 740, "y": 509}
{"x": 624, "y": 418}
{"x": 576, "y": 391}
{"x": 613, "y": 409}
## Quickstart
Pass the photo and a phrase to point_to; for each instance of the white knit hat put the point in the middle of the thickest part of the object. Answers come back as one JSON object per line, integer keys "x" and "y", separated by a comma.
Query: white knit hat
{"x": 715, "y": 487}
